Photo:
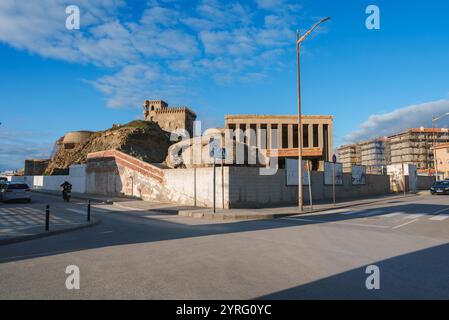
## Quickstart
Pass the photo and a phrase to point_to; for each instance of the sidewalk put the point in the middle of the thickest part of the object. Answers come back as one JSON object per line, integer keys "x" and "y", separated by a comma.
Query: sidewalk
{"x": 135, "y": 205}
{"x": 27, "y": 222}
{"x": 279, "y": 212}
{"x": 96, "y": 198}
{"x": 140, "y": 207}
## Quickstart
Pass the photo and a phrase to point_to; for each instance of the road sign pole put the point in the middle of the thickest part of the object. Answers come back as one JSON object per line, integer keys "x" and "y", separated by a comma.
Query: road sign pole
{"x": 214, "y": 185}
{"x": 309, "y": 173}
{"x": 194, "y": 186}
{"x": 222, "y": 183}
{"x": 333, "y": 182}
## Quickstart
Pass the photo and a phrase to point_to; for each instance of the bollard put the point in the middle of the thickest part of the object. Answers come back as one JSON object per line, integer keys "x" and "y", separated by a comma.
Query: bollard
{"x": 47, "y": 218}
{"x": 88, "y": 211}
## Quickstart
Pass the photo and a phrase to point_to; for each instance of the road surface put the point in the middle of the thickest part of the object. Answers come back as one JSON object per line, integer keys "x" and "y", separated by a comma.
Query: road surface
{"x": 140, "y": 255}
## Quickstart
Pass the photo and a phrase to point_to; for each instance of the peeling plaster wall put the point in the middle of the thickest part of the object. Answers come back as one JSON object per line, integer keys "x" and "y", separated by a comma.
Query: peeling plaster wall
{"x": 114, "y": 173}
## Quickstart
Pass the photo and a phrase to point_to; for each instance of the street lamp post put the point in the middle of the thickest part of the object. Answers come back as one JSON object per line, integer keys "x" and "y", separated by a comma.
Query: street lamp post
{"x": 434, "y": 120}
{"x": 299, "y": 41}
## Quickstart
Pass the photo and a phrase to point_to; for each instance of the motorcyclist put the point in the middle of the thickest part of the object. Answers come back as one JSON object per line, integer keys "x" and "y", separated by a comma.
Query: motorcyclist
{"x": 66, "y": 188}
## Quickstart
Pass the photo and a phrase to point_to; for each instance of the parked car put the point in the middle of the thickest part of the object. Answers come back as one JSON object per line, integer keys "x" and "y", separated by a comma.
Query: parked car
{"x": 15, "y": 191}
{"x": 440, "y": 187}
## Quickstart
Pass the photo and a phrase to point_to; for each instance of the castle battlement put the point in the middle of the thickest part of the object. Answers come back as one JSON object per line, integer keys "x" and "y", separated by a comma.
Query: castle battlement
{"x": 175, "y": 110}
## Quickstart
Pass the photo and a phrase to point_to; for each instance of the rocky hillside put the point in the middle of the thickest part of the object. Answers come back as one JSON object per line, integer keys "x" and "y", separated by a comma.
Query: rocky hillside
{"x": 141, "y": 139}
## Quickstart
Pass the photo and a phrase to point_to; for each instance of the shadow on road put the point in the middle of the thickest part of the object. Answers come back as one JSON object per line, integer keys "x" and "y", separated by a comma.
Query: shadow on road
{"x": 422, "y": 274}
{"x": 122, "y": 229}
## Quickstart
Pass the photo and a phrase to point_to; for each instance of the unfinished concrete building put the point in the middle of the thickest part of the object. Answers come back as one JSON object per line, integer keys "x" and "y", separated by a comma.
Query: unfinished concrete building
{"x": 278, "y": 134}
{"x": 415, "y": 146}
{"x": 374, "y": 155}
{"x": 349, "y": 155}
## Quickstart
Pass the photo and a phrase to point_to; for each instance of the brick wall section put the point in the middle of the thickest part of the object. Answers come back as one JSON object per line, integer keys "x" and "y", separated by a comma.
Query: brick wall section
{"x": 129, "y": 162}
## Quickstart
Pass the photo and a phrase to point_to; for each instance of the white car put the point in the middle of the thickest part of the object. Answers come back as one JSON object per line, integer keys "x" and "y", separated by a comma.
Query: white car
{"x": 15, "y": 191}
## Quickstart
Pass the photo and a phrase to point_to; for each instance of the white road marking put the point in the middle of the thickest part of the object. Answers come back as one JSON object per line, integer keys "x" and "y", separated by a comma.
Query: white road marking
{"x": 404, "y": 224}
{"x": 349, "y": 212}
{"x": 414, "y": 216}
{"x": 440, "y": 217}
{"x": 393, "y": 214}
{"x": 442, "y": 210}
{"x": 128, "y": 208}
{"x": 78, "y": 211}
{"x": 370, "y": 213}
{"x": 335, "y": 222}
{"x": 102, "y": 210}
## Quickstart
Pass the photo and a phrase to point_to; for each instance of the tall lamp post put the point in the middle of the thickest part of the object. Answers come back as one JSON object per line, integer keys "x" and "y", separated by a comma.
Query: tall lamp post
{"x": 434, "y": 120}
{"x": 299, "y": 41}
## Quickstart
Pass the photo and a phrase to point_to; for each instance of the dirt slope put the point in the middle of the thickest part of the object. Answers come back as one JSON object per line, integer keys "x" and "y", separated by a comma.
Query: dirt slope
{"x": 141, "y": 139}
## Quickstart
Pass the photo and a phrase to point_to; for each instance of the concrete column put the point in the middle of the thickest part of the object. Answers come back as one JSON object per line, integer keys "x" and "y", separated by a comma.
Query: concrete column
{"x": 251, "y": 142}
{"x": 320, "y": 136}
{"x": 250, "y": 136}
{"x": 310, "y": 130}
{"x": 279, "y": 146}
{"x": 330, "y": 140}
{"x": 290, "y": 136}
{"x": 258, "y": 136}
{"x": 269, "y": 136}
{"x": 238, "y": 133}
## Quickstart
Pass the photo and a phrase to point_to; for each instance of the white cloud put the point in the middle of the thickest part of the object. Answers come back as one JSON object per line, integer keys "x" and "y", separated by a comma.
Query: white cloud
{"x": 269, "y": 4}
{"x": 156, "y": 53}
{"x": 414, "y": 116}
{"x": 16, "y": 146}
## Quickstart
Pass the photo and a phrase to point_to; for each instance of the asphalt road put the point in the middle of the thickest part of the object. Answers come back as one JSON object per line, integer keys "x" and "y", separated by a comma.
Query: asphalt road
{"x": 157, "y": 256}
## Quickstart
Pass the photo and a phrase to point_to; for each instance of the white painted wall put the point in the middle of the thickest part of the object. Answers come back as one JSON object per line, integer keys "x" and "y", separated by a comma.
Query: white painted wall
{"x": 77, "y": 178}
{"x": 181, "y": 183}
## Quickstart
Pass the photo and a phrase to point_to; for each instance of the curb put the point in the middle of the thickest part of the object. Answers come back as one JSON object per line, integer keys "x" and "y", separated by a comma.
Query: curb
{"x": 74, "y": 196}
{"x": 269, "y": 216}
{"x": 48, "y": 233}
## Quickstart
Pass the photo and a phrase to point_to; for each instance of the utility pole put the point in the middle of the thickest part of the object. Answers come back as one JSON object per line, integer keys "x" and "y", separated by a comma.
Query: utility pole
{"x": 434, "y": 120}
{"x": 299, "y": 41}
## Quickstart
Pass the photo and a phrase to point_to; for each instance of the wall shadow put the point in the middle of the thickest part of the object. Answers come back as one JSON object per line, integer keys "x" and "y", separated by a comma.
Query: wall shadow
{"x": 422, "y": 274}
{"x": 134, "y": 228}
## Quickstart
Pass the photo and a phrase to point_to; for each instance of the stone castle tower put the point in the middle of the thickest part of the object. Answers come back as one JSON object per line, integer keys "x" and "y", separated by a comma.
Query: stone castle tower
{"x": 169, "y": 118}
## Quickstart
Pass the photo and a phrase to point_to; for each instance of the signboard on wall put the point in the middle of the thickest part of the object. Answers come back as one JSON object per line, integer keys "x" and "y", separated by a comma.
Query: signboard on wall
{"x": 358, "y": 175}
{"x": 328, "y": 179}
{"x": 291, "y": 169}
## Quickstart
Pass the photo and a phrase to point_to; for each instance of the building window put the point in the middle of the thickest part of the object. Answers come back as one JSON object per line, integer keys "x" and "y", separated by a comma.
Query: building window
{"x": 315, "y": 136}
{"x": 295, "y": 136}
{"x": 285, "y": 136}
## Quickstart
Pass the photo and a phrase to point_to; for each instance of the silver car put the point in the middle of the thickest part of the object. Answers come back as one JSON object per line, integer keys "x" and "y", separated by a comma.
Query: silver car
{"x": 15, "y": 191}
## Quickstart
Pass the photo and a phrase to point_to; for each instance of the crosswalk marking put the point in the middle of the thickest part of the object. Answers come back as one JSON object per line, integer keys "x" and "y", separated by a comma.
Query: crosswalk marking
{"x": 404, "y": 224}
{"x": 370, "y": 213}
{"x": 77, "y": 211}
{"x": 393, "y": 214}
{"x": 442, "y": 210}
{"x": 413, "y": 216}
{"x": 440, "y": 217}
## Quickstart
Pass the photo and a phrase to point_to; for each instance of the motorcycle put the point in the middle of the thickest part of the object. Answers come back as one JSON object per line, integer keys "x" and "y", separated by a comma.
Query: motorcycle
{"x": 66, "y": 194}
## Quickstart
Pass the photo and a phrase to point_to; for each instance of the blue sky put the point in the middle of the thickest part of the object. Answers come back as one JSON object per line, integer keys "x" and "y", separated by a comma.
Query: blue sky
{"x": 218, "y": 57}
